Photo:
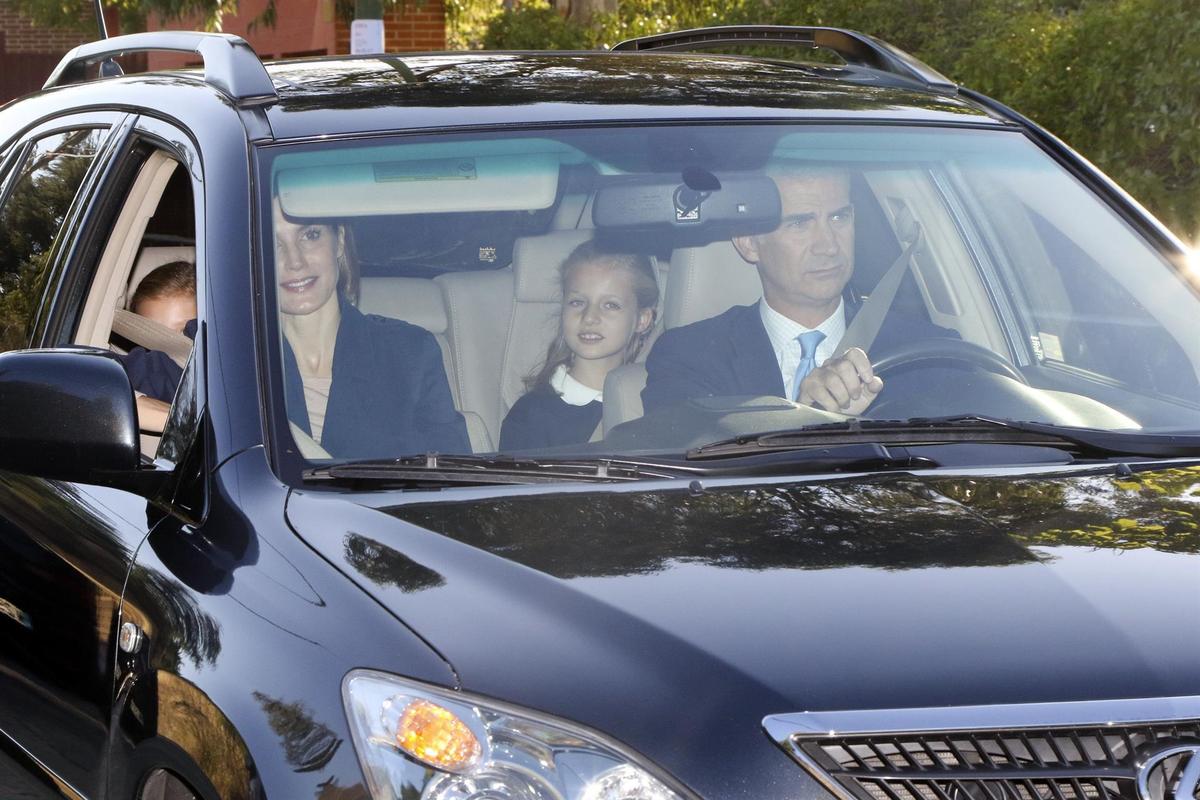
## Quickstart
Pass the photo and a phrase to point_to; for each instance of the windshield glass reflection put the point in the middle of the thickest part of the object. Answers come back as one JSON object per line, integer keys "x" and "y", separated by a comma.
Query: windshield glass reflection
{"x": 609, "y": 291}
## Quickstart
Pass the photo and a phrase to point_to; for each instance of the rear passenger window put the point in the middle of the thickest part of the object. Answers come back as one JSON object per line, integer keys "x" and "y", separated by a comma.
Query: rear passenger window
{"x": 31, "y": 219}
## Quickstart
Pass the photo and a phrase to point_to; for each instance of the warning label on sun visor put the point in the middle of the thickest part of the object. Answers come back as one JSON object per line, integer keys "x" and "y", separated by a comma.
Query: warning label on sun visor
{"x": 440, "y": 169}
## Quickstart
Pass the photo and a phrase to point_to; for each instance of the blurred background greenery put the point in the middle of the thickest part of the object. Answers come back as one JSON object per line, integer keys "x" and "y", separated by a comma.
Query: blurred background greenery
{"x": 1118, "y": 80}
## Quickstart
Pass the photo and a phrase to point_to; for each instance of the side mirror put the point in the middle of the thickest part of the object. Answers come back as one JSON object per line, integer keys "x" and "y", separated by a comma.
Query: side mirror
{"x": 67, "y": 414}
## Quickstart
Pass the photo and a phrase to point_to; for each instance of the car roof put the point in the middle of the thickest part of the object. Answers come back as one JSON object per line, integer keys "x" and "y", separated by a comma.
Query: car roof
{"x": 347, "y": 95}
{"x": 438, "y": 90}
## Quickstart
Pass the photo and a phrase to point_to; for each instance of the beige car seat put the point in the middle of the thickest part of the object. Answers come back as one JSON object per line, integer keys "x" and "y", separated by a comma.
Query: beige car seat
{"x": 537, "y": 299}
{"x": 478, "y": 307}
{"x": 420, "y": 302}
{"x": 704, "y": 281}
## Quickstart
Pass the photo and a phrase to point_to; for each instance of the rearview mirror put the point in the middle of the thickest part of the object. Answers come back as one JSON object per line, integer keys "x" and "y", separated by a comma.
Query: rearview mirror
{"x": 722, "y": 205}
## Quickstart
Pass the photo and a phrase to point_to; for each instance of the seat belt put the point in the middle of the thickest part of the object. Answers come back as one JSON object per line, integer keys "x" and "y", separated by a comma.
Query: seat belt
{"x": 863, "y": 329}
{"x": 308, "y": 446}
{"x": 152, "y": 335}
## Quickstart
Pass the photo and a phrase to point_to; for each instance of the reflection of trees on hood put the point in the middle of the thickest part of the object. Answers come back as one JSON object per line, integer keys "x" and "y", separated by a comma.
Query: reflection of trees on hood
{"x": 178, "y": 626}
{"x": 308, "y": 745}
{"x": 384, "y": 566}
{"x": 886, "y": 522}
{"x": 861, "y": 523}
{"x": 187, "y": 717}
{"x": 1159, "y": 509}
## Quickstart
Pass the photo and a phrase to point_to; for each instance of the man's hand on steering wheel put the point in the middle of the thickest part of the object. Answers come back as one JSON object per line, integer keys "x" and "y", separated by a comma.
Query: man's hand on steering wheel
{"x": 846, "y": 384}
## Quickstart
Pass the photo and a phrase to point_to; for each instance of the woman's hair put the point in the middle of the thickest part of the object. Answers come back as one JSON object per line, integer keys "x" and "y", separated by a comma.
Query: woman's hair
{"x": 348, "y": 277}
{"x": 645, "y": 289}
{"x": 173, "y": 279}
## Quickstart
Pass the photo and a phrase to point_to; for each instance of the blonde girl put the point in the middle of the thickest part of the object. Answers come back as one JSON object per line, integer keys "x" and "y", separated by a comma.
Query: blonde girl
{"x": 608, "y": 310}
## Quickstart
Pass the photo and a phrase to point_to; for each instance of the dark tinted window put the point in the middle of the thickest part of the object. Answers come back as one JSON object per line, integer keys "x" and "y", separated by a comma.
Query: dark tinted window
{"x": 31, "y": 218}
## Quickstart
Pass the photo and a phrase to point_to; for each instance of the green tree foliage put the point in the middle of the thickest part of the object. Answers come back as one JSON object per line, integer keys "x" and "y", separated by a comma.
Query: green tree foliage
{"x": 1114, "y": 78}
{"x": 536, "y": 26}
{"x": 29, "y": 223}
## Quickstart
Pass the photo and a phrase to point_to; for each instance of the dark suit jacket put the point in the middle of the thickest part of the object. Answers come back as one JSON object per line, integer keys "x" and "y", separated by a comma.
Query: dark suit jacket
{"x": 731, "y": 355}
{"x": 389, "y": 396}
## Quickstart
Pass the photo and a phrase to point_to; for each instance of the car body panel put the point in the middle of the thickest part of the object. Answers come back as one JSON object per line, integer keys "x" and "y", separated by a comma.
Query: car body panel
{"x": 641, "y": 608}
{"x": 60, "y": 618}
{"x": 239, "y": 616}
{"x": 427, "y": 91}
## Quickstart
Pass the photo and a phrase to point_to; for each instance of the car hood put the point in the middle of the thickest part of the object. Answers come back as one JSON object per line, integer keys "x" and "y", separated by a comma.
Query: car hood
{"x": 668, "y": 617}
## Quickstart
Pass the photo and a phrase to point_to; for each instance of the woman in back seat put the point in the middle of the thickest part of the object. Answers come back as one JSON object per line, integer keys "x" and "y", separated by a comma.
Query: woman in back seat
{"x": 362, "y": 386}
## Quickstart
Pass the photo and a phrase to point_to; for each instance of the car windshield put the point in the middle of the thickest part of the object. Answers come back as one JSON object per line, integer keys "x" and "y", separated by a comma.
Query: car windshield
{"x": 612, "y": 291}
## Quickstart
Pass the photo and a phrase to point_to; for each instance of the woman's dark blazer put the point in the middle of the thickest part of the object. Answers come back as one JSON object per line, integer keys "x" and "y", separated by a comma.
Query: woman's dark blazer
{"x": 389, "y": 396}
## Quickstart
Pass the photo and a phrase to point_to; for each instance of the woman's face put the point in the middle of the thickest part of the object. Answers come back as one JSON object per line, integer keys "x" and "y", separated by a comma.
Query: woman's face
{"x": 306, "y": 264}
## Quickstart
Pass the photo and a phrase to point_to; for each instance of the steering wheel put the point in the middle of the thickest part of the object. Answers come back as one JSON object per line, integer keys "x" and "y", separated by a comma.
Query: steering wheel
{"x": 954, "y": 351}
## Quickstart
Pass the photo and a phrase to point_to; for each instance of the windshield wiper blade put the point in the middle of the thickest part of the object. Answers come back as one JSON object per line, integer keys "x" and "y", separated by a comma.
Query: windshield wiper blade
{"x": 434, "y": 468}
{"x": 1081, "y": 442}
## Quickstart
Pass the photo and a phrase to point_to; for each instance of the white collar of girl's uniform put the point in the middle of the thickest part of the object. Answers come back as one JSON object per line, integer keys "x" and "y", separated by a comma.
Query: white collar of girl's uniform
{"x": 572, "y": 392}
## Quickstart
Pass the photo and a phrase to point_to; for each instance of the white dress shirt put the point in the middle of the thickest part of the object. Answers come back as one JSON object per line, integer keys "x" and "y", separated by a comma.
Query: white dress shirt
{"x": 782, "y": 331}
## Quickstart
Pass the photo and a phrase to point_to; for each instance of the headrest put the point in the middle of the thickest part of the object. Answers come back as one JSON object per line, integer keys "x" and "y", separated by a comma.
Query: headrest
{"x": 707, "y": 281}
{"x": 414, "y": 300}
{"x": 150, "y": 259}
{"x": 536, "y": 260}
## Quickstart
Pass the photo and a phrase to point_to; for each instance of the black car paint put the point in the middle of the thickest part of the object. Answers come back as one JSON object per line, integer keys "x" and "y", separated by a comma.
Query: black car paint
{"x": 251, "y": 627}
{"x": 650, "y": 613}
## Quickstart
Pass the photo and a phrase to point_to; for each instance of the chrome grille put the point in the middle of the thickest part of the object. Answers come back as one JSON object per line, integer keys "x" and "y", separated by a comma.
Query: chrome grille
{"x": 1011, "y": 753}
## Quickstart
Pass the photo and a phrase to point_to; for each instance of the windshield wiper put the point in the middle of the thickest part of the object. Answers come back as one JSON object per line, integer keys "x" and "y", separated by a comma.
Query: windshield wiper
{"x": 851, "y": 446}
{"x": 432, "y": 470}
{"x": 489, "y": 470}
{"x": 1087, "y": 443}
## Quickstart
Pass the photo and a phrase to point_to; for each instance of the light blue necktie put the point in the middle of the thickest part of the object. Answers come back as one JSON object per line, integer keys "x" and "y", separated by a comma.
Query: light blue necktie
{"x": 808, "y": 358}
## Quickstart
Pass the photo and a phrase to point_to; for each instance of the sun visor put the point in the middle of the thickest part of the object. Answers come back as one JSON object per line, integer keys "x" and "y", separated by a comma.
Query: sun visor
{"x": 523, "y": 182}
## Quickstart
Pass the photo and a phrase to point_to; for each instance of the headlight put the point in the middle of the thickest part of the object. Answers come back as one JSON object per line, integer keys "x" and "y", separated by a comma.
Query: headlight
{"x": 415, "y": 740}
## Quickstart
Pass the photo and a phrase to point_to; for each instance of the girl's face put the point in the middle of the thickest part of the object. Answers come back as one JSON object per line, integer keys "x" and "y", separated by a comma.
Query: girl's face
{"x": 306, "y": 264}
{"x": 600, "y": 316}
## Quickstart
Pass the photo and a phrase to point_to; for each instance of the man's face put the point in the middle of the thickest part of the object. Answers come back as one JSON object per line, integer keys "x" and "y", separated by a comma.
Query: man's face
{"x": 805, "y": 263}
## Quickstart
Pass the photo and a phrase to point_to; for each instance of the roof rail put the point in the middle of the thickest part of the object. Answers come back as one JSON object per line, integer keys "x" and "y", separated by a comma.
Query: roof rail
{"x": 230, "y": 64}
{"x": 857, "y": 49}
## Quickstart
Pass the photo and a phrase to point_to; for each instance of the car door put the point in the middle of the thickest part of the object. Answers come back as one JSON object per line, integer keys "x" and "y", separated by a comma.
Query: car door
{"x": 65, "y": 549}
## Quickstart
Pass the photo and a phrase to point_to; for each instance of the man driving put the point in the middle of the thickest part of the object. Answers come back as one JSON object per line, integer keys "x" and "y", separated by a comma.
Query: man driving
{"x": 784, "y": 345}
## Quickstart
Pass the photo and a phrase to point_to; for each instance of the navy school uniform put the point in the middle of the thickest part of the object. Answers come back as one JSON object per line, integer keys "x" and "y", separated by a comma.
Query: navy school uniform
{"x": 542, "y": 418}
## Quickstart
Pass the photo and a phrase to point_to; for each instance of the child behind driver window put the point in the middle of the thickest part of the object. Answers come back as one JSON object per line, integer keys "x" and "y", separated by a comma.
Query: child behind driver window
{"x": 608, "y": 309}
{"x": 168, "y": 296}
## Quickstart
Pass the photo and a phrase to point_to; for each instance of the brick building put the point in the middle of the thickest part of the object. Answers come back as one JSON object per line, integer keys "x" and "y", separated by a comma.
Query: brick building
{"x": 302, "y": 28}
{"x": 28, "y": 53}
